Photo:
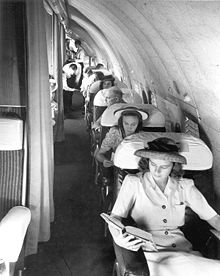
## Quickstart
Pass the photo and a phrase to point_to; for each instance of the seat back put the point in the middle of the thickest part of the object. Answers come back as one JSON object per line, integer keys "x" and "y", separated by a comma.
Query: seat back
{"x": 131, "y": 96}
{"x": 190, "y": 147}
{"x": 119, "y": 175}
{"x": 94, "y": 87}
{"x": 155, "y": 118}
{"x": 13, "y": 162}
{"x": 130, "y": 262}
{"x": 97, "y": 111}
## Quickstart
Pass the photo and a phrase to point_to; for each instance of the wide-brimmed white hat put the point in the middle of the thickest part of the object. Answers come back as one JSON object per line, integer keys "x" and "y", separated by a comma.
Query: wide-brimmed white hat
{"x": 131, "y": 110}
{"x": 162, "y": 148}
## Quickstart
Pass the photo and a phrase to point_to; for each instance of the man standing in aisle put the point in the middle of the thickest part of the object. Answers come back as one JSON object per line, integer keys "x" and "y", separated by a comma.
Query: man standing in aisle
{"x": 80, "y": 57}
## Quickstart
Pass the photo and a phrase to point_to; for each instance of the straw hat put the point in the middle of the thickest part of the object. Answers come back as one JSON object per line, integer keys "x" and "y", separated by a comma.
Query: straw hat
{"x": 162, "y": 148}
{"x": 130, "y": 109}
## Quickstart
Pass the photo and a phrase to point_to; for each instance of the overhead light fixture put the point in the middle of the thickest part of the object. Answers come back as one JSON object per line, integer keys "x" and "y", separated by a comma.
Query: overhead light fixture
{"x": 186, "y": 98}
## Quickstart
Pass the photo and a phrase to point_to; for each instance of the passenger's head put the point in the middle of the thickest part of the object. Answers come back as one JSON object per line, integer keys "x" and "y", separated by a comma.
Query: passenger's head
{"x": 77, "y": 43}
{"x": 53, "y": 87}
{"x": 162, "y": 159}
{"x": 113, "y": 95}
{"x": 67, "y": 43}
{"x": 73, "y": 68}
{"x": 130, "y": 120}
{"x": 107, "y": 82}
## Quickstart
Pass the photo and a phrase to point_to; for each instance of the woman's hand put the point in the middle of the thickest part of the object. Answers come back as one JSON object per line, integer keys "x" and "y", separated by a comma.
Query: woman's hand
{"x": 96, "y": 126}
{"x": 107, "y": 163}
{"x": 128, "y": 241}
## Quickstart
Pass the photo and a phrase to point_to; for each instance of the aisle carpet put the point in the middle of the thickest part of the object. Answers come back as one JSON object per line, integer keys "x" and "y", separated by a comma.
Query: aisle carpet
{"x": 77, "y": 245}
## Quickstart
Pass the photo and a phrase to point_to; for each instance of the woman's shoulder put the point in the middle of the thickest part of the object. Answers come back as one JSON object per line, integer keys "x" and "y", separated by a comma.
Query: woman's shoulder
{"x": 185, "y": 182}
{"x": 132, "y": 179}
{"x": 115, "y": 130}
{"x": 131, "y": 183}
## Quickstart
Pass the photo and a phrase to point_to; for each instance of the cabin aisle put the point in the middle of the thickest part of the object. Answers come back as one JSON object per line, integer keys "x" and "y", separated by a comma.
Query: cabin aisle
{"x": 77, "y": 245}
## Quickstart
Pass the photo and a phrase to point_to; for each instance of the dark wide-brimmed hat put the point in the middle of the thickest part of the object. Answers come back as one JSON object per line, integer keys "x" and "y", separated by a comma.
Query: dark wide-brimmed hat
{"x": 162, "y": 148}
{"x": 131, "y": 110}
{"x": 108, "y": 78}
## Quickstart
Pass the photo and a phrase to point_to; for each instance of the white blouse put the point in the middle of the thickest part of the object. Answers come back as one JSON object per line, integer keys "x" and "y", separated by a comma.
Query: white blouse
{"x": 161, "y": 213}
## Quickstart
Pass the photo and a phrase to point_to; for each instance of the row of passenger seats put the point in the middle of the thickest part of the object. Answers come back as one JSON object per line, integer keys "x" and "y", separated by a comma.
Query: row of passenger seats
{"x": 97, "y": 107}
{"x": 125, "y": 162}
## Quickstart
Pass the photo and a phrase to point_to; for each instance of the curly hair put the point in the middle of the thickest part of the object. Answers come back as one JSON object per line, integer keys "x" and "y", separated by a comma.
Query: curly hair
{"x": 177, "y": 170}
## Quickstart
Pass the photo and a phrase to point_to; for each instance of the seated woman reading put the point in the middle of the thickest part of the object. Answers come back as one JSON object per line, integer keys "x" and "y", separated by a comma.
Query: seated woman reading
{"x": 129, "y": 122}
{"x": 156, "y": 200}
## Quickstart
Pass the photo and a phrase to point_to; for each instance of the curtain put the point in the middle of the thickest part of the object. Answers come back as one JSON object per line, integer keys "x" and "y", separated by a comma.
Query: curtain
{"x": 12, "y": 53}
{"x": 58, "y": 42}
{"x": 40, "y": 132}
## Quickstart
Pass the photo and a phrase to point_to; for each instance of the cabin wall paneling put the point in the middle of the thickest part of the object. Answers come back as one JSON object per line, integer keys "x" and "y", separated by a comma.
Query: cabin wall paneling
{"x": 12, "y": 53}
{"x": 173, "y": 114}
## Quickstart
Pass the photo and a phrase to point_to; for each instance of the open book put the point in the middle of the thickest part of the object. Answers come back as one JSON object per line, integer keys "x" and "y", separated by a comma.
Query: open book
{"x": 131, "y": 230}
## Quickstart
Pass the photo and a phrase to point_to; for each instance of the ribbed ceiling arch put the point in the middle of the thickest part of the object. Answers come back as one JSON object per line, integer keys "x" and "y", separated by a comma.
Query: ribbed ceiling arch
{"x": 172, "y": 47}
{"x": 159, "y": 45}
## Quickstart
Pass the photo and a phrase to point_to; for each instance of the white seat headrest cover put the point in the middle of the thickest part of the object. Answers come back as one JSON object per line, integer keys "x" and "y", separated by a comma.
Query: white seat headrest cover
{"x": 196, "y": 152}
{"x": 124, "y": 157}
{"x": 11, "y": 134}
{"x": 108, "y": 118}
{"x": 99, "y": 99}
{"x": 95, "y": 87}
{"x": 155, "y": 119}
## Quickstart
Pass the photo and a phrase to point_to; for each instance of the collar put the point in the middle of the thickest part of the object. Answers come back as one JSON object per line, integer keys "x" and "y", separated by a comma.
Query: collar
{"x": 171, "y": 183}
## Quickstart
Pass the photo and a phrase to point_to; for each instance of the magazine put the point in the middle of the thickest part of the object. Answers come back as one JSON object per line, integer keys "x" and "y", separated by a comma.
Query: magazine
{"x": 131, "y": 230}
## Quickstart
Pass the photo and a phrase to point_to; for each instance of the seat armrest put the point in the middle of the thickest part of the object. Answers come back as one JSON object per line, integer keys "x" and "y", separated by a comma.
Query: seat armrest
{"x": 13, "y": 228}
{"x": 131, "y": 263}
{"x": 215, "y": 233}
{"x": 215, "y": 242}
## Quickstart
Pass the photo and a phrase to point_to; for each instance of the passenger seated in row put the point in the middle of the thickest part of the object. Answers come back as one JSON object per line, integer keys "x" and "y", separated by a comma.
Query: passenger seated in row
{"x": 86, "y": 81}
{"x": 54, "y": 105}
{"x": 89, "y": 78}
{"x": 107, "y": 82}
{"x": 156, "y": 199}
{"x": 129, "y": 122}
{"x": 112, "y": 95}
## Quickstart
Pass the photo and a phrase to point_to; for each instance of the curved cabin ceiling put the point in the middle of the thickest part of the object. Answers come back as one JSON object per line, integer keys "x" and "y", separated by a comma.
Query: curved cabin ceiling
{"x": 170, "y": 47}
